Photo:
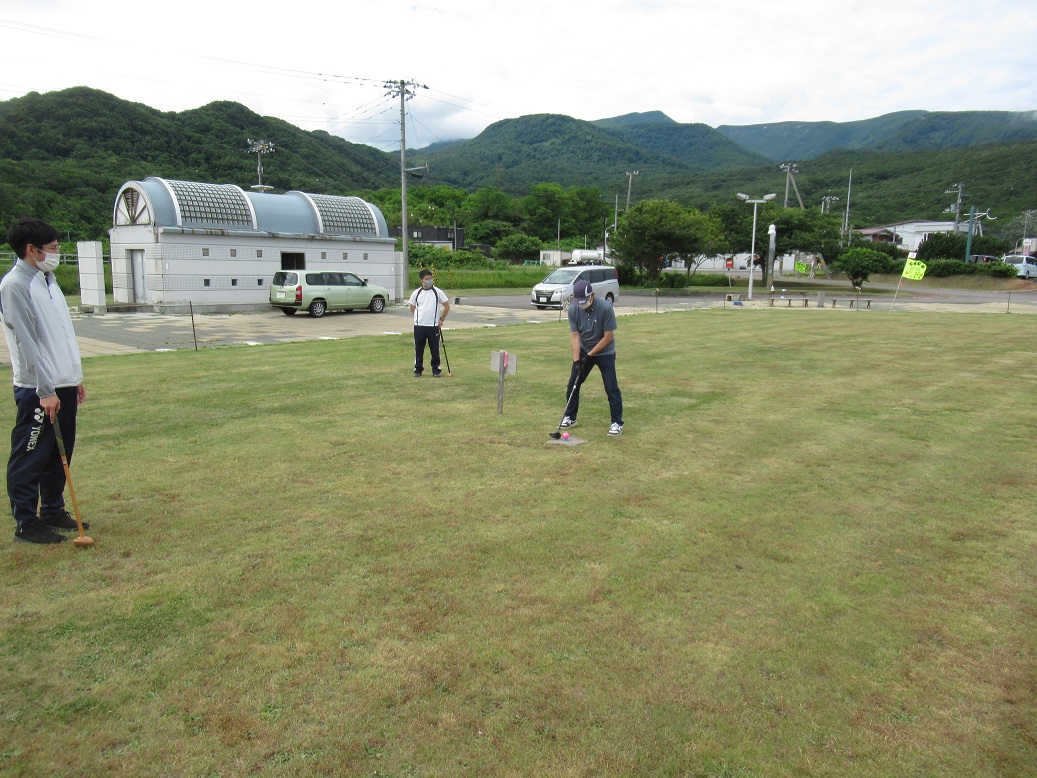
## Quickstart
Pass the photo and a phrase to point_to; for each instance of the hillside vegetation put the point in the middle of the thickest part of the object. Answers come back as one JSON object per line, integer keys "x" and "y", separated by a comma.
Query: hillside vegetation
{"x": 64, "y": 155}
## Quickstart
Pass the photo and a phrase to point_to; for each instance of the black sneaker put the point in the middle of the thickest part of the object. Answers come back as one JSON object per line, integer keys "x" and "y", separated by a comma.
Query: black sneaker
{"x": 417, "y": 374}
{"x": 437, "y": 375}
{"x": 61, "y": 520}
{"x": 37, "y": 534}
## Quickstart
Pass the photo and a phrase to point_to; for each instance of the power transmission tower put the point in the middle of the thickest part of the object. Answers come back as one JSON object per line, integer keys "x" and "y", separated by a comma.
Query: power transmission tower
{"x": 791, "y": 168}
{"x": 403, "y": 90}
{"x": 259, "y": 148}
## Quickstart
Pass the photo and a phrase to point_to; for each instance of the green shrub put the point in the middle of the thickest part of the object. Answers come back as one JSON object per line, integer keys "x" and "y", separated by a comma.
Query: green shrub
{"x": 995, "y": 269}
{"x": 943, "y": 268}
{"x": 67, "y": 276}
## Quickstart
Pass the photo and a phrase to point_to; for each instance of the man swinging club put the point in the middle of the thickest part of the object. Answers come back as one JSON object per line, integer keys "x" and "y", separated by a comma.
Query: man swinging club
{"x": 592, "y": 326}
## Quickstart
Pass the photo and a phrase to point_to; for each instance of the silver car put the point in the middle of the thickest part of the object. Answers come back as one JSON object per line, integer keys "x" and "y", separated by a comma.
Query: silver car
{"x": 557, "y": 288}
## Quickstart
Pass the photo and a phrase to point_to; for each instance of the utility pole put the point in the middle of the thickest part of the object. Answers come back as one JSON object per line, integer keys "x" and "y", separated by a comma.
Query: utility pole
{"x": 846, "y": 217}
{"x": 402, "y": 89}
{"x": 955, "y": 207}
{"x": 630, "y": 185}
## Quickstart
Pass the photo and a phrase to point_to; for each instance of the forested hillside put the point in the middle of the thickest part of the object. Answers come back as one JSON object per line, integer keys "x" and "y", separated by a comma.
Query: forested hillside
{"x": 64, "y": 155}
{"x": 895, "y": 132}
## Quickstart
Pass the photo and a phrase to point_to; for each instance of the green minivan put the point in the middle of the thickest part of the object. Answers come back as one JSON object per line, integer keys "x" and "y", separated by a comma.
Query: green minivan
{"x": 320, "y": 291}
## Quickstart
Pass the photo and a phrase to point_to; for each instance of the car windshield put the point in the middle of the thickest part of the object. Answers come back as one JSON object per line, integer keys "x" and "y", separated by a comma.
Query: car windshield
{"x": 563, "y": 276}
{"x": 1014, "y": 260}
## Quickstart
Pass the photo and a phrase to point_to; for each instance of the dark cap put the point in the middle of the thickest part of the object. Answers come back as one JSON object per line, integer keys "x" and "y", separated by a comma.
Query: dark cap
{"x": 581, "y": 291}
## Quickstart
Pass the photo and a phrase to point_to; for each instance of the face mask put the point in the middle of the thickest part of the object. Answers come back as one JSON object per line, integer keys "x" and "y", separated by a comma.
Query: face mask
{"x": 427, "y": 283}
{"x": 585, "y": 305}
{"x": 49, "y": 262}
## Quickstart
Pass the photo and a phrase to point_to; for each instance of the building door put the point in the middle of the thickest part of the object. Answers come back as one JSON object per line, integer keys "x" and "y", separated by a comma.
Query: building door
{"x": 293, "y": 260}
{"x": 140, "y": 281}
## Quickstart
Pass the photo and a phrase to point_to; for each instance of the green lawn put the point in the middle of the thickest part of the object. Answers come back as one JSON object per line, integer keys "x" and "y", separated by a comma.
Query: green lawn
{"x": 811, "y": 553}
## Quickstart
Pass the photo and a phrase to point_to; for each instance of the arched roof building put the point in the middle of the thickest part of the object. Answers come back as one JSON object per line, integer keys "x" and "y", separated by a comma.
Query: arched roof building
{"x": 179, "y": 241}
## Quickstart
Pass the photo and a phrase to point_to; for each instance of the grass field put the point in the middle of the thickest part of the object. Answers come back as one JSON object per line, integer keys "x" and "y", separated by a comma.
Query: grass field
{"x": 811, "y": 553}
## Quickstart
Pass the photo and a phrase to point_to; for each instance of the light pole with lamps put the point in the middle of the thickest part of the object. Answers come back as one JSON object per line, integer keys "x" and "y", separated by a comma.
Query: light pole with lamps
{"x": 752, "y": 252}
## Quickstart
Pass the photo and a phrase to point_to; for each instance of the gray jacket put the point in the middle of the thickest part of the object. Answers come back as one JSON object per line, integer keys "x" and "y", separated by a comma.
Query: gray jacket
{"x": 38, "y": 328}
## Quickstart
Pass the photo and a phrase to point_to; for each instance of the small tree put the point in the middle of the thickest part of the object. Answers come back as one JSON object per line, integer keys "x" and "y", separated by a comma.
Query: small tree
{"x": 518, "y": 247}
{"x": 858, "y": 263}
{"x": 653, "y": 231}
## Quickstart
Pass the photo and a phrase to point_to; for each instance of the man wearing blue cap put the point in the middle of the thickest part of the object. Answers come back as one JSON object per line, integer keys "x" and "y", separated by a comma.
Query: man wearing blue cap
{"x": 592, "y": 327}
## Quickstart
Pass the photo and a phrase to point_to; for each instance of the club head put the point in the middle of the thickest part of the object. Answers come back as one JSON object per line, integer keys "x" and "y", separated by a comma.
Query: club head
{"x": 556, "y": 435}
{"x": 82, "y": 541}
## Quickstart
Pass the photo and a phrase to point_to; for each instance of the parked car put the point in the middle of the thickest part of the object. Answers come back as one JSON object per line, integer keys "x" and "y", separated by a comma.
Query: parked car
{"x": 319, "y": 291}
{"x": 1025, "y": 265}
{"x": 554, "y": 290}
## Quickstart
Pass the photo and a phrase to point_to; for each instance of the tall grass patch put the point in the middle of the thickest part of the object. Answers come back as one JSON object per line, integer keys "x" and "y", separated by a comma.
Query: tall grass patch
{"x": 810, "y": 553}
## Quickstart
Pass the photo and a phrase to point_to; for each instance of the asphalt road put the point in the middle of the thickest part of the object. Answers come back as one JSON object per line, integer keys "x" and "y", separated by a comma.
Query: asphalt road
{"x": 128, "y": 333}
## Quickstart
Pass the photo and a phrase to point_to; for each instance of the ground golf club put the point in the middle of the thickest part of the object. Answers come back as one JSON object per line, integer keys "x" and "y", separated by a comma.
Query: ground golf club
{"x": 83, "y": 539}
{"x": 442, "y": 342}
{"x": 557, "y": 434}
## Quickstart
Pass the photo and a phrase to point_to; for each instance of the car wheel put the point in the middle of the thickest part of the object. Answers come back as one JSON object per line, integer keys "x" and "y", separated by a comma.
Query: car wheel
{"x": 541, "y": 307}
{"x": 611, "y": 298}
{"x": 377, "y": 304}
{"x": 318, "y": 308}
{"x": 288, "y": 311}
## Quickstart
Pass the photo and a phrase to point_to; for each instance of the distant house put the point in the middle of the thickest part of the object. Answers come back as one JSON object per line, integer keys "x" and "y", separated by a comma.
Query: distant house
{"x": 909, "y": 235}
{"x": 174, "y": 242}
{"x": 445, "y": 237}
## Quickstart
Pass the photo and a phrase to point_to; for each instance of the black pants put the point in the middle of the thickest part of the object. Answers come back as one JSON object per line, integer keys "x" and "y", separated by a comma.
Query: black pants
{"x": 423, "y": 335}
{"x": 34, "y": 472}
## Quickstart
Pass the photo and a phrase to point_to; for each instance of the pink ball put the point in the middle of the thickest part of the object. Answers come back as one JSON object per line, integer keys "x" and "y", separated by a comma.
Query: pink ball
{"x": 565, "y": 436}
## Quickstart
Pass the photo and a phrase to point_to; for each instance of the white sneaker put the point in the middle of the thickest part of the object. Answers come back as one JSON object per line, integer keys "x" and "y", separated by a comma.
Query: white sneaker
{"x": 615, "y": 429}
{"x": 568, "y": 422}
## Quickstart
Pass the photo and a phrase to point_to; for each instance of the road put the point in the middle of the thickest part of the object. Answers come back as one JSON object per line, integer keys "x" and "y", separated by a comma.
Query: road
{"x": 128, "y": 333}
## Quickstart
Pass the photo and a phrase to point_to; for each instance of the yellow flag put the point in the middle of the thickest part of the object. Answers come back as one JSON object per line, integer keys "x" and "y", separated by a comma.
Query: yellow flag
{"x": 914, "y": 270}
{"x": 802, "y": 267}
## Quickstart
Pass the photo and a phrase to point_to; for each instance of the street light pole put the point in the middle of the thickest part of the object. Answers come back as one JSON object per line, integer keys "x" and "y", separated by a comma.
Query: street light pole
{"x": 752, "y": 252}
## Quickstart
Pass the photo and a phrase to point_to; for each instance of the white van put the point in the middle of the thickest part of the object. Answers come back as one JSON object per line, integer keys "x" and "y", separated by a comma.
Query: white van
{"x": 1025, "y": 266}
{"x": 556, "y": 290}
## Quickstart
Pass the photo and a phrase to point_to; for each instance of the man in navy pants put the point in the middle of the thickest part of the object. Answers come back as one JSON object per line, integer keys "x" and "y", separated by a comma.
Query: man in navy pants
{"x": 48, "y": 383}
{"x": 592, "y": 336}
{"x": 429, "y": 305}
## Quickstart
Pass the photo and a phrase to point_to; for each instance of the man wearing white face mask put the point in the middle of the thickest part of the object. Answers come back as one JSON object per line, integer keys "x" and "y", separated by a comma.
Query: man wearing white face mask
{"x": 592, "y": 328}
{"x": 48, "y": 382}
{"x": 429, "y": 305}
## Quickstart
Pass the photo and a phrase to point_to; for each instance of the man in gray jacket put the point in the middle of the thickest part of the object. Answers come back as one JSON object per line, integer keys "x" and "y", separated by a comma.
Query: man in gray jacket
{"x": 48, "y": 382}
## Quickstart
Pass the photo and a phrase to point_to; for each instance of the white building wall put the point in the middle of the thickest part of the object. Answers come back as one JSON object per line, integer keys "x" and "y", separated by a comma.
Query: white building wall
{"x": 219, "y": 268}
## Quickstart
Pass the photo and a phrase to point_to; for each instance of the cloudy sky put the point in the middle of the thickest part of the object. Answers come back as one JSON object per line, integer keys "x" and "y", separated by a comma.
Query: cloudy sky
{"x": 323, "y": 65}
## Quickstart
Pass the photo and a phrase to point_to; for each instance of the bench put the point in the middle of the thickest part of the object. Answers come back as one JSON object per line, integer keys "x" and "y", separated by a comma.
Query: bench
{"x": 772, "y": 296}
{"x": 857, "y": 300}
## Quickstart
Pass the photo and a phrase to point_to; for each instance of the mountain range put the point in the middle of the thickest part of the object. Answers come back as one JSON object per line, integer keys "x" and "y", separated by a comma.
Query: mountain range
{"x": 65, "y": 154}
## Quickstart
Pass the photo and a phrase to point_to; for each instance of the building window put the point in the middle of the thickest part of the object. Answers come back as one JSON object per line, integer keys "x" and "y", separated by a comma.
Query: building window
{"x": 233, "y": 252}
{"x": 259, "y": 252}
{"x": 345, "y": 255}
{"x": 205, "y": 252}
{"x": 324, "y": 255}
{"x": 206, "y": 282}
{"x": 259, "y": 282}
{"x": 234, "y": 282}
{"x": 365, "y": 256}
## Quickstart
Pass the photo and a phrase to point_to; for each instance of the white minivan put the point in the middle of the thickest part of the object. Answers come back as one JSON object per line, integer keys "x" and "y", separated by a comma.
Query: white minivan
{"x": 555, "y": 290}
{"x": 1025, "y": 265}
